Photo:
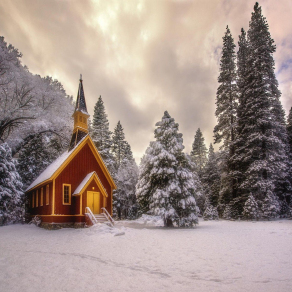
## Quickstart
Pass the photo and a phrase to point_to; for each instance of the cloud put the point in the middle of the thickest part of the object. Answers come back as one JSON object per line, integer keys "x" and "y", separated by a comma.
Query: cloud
{"x": 142, "y": 57}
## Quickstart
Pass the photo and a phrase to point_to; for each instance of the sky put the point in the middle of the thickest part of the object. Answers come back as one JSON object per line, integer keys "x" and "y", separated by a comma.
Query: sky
{"x": 142, "y": 57}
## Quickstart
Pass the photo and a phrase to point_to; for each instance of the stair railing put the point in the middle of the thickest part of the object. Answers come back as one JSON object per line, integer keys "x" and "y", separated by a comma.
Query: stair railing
{"x": 108, "y": 216}
{"x": 91, "y": 216}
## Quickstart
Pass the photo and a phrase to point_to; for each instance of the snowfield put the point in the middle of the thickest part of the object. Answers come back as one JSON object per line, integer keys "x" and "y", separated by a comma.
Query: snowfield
{"x": 141, "y": 256}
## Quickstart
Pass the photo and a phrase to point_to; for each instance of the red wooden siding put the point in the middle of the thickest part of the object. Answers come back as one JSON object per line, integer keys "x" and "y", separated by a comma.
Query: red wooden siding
{"x": 41, "y": 210}
{"x": 82, "y": 164}
{"x": 63, "y": 219}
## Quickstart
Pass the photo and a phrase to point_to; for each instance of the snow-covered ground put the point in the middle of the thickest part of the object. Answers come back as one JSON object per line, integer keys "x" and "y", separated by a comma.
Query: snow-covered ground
{"x": 214, "y": 256}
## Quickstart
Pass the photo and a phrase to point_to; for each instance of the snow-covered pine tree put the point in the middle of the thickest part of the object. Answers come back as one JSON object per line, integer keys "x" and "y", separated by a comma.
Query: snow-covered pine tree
{"x": 126, "y": 180}
{"x": 226, "y": 105}
{"x": 119, "y": 145}
{"x": 200, "y": 196}
{"x": 210, "y": 212}
{"x": 144, "y": 185}
{"x": 270, "y": 206}
{"x": 199, "y": 151}
{"x": 126, "y": 175}
{"x": 289, "y": 131}
{"x": 242, "y": 84}
{"x": 55, "y": 146}
{"x": 101, "y": 135}
{"x": 211, "y": 178}
{"x": 262, "y": 152}
{"x": 11, "y": 195}
{"x": 251, "y": 209}
{"x": 34, "y": 157}
{"x": 233, "y": 162}
{"x": 166, "y": 184}
{"x": 226, "y": 100}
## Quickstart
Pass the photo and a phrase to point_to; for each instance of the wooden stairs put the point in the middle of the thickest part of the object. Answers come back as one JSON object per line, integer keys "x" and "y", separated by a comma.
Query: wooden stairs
{"x": 103, "y": 217}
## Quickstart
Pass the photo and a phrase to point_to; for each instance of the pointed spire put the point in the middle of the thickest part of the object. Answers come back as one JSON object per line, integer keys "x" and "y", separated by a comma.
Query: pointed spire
{"x": 80, "y": 118}
{"x": 80, "y": 102}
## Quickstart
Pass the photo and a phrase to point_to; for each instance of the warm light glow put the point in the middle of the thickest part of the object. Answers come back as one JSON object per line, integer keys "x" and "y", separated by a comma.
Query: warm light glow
{"x": 142, "y": 56}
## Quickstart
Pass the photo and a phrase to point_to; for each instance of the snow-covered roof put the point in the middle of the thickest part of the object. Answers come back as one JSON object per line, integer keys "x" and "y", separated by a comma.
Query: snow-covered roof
{"x": 52, "y": 168}
{"x": 86, "y": 180}
{"x": 83, "y": 183}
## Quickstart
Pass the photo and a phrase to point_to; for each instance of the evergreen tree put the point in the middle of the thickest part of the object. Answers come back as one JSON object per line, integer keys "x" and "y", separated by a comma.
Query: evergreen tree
{"x": 243, "y": 79}
{"x": 289, "y": 131}
{"x": 166, "y": 184}
{"x": 55, "y": 146}
{"x": 226, "y": 106}
{"x": 270, "y": 206}
{"x": 263, "y": 160}
{"x": 34, "y": 157}
{"x": 126, "y": 178}
{"x": 211, "y": 178}
{"x": 200, "y": 191}
{"x": 199, "y": 151}
{"x": 11, "y": 195}
{"x": 125, "y": 195}
{"x": 119, "y": 145}
{"x": 251, "y": 209}
{"x": 210, "y": 213}
{"x": 144, "y": 185}
{"x": 226, "y": 102}
{"x": 101, "y": 135}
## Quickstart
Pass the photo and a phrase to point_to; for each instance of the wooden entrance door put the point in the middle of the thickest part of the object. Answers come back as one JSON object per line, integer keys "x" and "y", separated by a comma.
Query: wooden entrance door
{"x": 93, "y": 202}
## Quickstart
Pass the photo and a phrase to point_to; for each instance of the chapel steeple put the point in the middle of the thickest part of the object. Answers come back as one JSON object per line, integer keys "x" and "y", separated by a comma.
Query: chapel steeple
{"x": 80, "y": 117}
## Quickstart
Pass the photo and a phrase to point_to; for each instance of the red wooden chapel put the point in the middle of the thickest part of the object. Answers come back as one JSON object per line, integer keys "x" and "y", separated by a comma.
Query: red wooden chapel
{"x": 74, "y": 181}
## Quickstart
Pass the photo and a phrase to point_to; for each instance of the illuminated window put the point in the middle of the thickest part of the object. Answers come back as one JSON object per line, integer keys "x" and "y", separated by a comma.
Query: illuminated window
{"x": 84, "y": 120}
{"x": 80, "y": 119}
{"x": 33, "y": 199}
{"x": 66, "y": 194}
{"x": 47, "y": 195}
{"x": 42, "y": 197}
{"x": 37, "y": 198}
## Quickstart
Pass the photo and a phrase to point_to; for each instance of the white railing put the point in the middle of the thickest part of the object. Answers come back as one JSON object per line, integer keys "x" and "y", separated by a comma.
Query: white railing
{"x": 90, "y": 215}
{"x": 108, "y": 216}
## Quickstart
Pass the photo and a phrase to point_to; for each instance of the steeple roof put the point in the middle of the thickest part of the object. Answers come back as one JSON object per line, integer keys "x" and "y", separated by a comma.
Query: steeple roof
{"x": 80, "y": 102}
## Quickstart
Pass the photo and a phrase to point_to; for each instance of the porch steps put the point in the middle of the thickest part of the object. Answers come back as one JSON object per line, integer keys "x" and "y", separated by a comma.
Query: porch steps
{"x": 93, "y": 219}
{"x": 101, "y": 218}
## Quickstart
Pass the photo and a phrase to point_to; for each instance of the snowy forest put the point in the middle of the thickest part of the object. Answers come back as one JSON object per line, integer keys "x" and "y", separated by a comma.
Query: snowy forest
{"x": 249, "y": 177}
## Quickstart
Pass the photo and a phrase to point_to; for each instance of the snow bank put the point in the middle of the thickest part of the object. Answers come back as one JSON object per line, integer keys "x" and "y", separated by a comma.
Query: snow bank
{"x": 149, "y": 220}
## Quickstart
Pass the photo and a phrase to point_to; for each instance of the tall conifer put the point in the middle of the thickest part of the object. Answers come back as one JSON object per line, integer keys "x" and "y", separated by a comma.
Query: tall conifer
{"x": 199, "y": 151}
{"x": 119, "y": 146}
{"x": 226, "y": 106}
{"x": 226, "y": 102}
{"x": 261, "y": 151}
{"x": 289, "y": 131}
{"x": 101, "y": 135}
{"x": 211, "y": 178}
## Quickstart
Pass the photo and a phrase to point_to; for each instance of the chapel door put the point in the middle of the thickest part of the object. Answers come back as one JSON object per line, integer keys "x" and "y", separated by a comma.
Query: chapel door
{"x": 93, "y": 202}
